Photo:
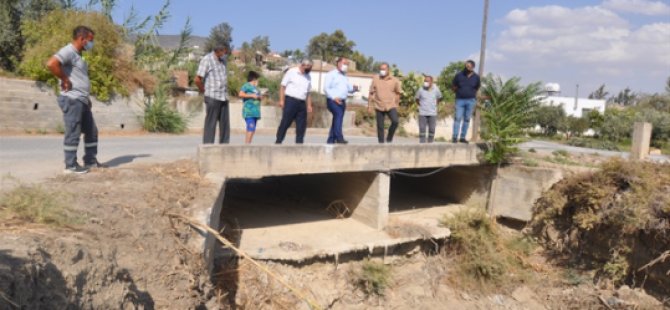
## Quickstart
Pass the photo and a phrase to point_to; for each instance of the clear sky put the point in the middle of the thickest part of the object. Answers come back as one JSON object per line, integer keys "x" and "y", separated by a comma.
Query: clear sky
{"x": 617, "y": 42}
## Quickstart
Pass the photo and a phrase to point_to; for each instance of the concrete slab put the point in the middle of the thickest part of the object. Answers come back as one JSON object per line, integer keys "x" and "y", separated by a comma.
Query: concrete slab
{"x": 255, "y": 161}
{"x": 331, "y": 238}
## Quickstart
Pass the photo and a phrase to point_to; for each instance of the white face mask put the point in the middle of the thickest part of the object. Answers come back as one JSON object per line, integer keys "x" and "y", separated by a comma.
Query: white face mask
{"x": 426, "y": 84}
{"x": 344, "y": 68}
{"x": 382, "y": 72}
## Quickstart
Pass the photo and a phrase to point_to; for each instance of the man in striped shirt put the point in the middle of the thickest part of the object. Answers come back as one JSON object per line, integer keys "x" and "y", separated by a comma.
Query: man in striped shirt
{"x": 211, "y": 80}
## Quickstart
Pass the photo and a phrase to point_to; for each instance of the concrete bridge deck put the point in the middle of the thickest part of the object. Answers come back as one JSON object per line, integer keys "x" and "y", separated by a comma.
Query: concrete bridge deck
{"x": 255, "y": 161}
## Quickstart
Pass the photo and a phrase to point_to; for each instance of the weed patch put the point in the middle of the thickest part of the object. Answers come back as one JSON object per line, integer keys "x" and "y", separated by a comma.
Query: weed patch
{"x": 32, "y": 203}
{"x": 373, "y": 278}
{"x": 485, "y": 259}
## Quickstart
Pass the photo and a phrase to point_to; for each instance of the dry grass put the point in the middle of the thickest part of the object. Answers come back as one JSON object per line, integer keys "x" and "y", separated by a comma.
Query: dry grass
{"x": 484, "y": 258}
{"x": 616, "y": 219}
{"x": 34, "y": 204}
{"x": 373, "y": 277}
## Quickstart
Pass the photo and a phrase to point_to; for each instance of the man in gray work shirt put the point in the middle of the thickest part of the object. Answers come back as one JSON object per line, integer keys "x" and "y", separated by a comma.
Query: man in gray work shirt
{"x": 71, "y": 68}
{"x": 428, "y": 97}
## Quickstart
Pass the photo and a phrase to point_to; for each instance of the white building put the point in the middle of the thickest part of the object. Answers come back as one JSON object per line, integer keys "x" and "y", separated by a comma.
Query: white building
{"x": 573, "y": 106}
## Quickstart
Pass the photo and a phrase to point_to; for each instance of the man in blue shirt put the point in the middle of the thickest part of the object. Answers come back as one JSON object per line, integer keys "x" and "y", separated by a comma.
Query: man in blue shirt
{"x": 465, "y": 84}
{"x": 337, "y": 89}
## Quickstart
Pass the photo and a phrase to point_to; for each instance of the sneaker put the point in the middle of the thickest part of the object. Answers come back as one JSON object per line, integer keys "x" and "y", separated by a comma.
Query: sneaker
{"x": 96, "y": 164}
{"x": 76, "y": 169}
{"x": 342, "y": 142}
{"x": 454, "y": 140}
{"x": 463, "y": 141}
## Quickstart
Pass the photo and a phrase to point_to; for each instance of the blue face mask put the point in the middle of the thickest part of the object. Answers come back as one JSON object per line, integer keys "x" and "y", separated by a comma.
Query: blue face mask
{"x": 88, "y": 46}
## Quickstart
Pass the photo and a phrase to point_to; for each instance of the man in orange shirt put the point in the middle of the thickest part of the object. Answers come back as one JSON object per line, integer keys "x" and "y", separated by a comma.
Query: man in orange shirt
{"x": 384, "y": 99}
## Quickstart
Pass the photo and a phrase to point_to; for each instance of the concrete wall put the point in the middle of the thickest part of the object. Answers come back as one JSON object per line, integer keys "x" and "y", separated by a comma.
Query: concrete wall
{"x": 518, "y": 187}
{"x": 31, "y": 106}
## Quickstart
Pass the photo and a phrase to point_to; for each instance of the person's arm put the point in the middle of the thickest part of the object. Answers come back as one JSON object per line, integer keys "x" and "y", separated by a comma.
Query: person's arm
{"x": 371, "y": 96}
{"x": 201, "y": 74}
{"x": 282, "y": 90}
{"x": 198, "y": 82}
{"x": 54, "y": 66}
{"x": 417, "y": 97}
{"x": 398, "y": 91}
{"x": 309, "y": 103}
{"x": 454, "y": 84}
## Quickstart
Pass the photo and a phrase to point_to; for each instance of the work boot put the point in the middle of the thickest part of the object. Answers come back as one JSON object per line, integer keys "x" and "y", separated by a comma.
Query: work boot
{"x": 76, "y": 169}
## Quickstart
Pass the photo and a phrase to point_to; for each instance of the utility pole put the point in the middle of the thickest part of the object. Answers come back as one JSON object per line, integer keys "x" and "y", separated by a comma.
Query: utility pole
{"x": 482, "y": 59}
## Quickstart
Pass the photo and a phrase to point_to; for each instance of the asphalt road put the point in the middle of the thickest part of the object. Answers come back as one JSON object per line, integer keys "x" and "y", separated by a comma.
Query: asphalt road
{"x": 35, "y": 158}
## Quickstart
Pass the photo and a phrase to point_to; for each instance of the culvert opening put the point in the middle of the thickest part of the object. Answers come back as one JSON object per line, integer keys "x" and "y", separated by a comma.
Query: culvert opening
{"x": 433, "y": 187}
{"x": 293, "y": 199}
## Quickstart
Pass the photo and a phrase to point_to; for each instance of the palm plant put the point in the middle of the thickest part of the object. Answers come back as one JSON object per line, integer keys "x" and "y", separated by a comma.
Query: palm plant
{"x": 506, "y": 113}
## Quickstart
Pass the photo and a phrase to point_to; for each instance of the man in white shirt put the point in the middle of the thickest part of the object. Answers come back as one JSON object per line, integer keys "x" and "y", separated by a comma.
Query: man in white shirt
{"x": 295, "y": 100}
{"x": 337, "y": 89}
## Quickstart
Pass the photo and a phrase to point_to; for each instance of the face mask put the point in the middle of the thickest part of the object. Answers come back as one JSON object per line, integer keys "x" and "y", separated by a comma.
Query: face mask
{"x": 345, "y": 68}
{"x": 426, "y": 85}
{"x": 382, "y": 72}
{"x": 88, "y": 46}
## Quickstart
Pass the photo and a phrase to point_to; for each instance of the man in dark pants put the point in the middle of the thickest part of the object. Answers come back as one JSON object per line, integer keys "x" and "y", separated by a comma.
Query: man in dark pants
{"x": 337, "y": 88}
{"x": 384, "y": 98}
{"x": 212, "y": 80}
{"x": 465, "y": 84}
{"x": 72, "y": 70}
{"x": 295, "y": 100}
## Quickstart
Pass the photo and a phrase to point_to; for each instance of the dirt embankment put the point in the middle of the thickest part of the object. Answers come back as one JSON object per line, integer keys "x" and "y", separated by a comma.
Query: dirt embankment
{"x": 118, "y": 251}
{"x": 615, "y": 221}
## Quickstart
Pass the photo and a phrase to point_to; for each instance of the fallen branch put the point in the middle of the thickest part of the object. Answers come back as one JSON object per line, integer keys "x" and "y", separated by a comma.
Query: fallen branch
{"x": 660, "y": 259}
{"x": 9, "y": 300}
{"x": 604, "y": 302}
{"x": 241, "y": 253}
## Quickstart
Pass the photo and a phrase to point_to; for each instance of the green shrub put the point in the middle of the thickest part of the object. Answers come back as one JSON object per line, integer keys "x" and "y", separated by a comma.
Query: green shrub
{"x": 160, "y": 117}
{"x": 592, "y": 143}
{"x": 45, "y": 36}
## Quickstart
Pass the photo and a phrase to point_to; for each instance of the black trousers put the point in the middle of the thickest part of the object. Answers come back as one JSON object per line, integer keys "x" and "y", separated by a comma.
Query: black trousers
{"x": 294, "y": 109}
{"x": 393, "y": 115}
{"x": 217, "y": 111}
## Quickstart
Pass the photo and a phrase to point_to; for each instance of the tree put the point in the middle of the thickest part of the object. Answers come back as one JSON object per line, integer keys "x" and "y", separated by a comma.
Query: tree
{"x": 220, "y": 35}
{"x": 667, "y": 85}
{"x": 11, "y": 41}
{"x": 625, "y": 97}
{"x": 599, "y": 93}
{"x": 363, "y": 63}
{"x": 549, "y": 118}
{"x": 445, "y": 78}
{"x": 328, "y": 47}
{"x": 12, "y": 14}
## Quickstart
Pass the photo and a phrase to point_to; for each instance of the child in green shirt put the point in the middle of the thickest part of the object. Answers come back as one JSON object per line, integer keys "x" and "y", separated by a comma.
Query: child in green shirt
{"x": 251, "y": 111}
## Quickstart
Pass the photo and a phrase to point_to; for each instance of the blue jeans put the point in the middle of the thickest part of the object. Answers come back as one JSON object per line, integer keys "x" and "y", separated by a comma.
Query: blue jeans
{"x": 464, "y": 109}
{"x": 337, "y": 110}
